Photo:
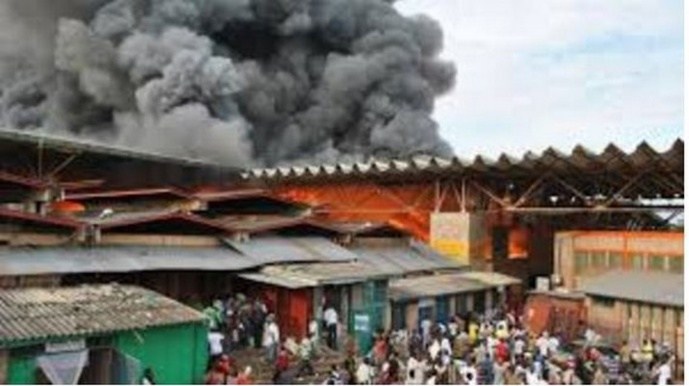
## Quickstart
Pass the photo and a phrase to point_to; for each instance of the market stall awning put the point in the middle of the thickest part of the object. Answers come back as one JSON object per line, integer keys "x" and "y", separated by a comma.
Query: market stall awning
{"x": 439, "y": 285}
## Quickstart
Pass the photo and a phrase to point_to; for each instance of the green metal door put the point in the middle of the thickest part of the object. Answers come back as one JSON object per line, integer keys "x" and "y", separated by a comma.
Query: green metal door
{"x": 442, "y": 309}
{"x": 368, "y": 319}
{"x": 21, "y": 370}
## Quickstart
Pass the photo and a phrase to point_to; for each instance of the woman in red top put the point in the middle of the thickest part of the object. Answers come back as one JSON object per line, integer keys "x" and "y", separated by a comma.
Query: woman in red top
{"x": 380, "y": 351}
{"x": 281, "y": 364}
{"x": 502, "y": 352}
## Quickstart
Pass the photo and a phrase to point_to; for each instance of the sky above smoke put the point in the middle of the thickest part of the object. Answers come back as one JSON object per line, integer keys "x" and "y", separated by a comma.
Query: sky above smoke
{"x": 533, "y": 74}
{"x": 242, "y": 82}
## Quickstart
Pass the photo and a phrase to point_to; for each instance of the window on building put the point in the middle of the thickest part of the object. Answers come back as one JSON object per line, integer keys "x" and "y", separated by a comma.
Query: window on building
{"x": 615, "y": 260}
{"x": 581, "y": 261}
{"x": 599, "y": 260}
{"x": 656, "y": 263}
{"x": 638, "y": 262}
{"x": 676, "y": 264}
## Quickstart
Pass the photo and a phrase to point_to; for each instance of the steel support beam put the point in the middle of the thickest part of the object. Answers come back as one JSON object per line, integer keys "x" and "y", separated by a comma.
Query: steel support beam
{"x": 617, "y": 195}
{"x": 598, "y": 209}
{"x": 536, "y": 184}
{"x": 574, "y": 190}
{"x": 488, "y": 193}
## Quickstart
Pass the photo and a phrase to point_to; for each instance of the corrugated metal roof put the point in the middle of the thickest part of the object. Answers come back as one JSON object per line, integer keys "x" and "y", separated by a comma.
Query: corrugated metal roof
{"x": 433, "y": 285}
{"x": 37, "y": 261}
{"x": 642, "y": 286}
{"x": 291, "y": 249}
{"x": 30, "y": 314}
{"x": 362, "y": 228}
{"x": 79, "y": 145}
{"x": 403, "y": 259}
{"x": 264, "y": 223}
{"x": 313, "y": 274}
{"x": 612, "y": 158}
{"x": 238, "y": 256}
{"x": 95, "y": 218}
{"x": 285, "y": 281}
{"x": 495, "y": 279}
{"x": 144, "y": 218}
{"x": 258, "y": 222}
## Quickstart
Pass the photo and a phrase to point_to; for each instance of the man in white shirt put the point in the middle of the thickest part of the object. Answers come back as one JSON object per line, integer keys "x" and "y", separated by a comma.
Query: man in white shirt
{"x": 519, "y": 346}
{"x": 271, "y": 338}
{"x": 313, "y": 332}
{"x": 445, "y": 345}
{"x": 664, "y": 373}
{"x": 543, "y": 344}
{"x": 364, "y": 373}
{"x": 415, "y": 372}
{"x": 453, "y": 327}
{"x": 553, "y": 345}
{"x": 215, "y": 339}
{"x": 426, "y": 325}
{"x": 470, "y": 374}
{"x": 330, "y": 317}
{"x": 434, "y": 349}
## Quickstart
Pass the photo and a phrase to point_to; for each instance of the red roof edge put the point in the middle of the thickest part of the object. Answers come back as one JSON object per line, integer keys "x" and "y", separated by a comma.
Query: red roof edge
{"x": 230, "y": 195}
{"x": 29, "y": 182}
{"x": 46, "y": 220}
{"x": 127, "y": 193}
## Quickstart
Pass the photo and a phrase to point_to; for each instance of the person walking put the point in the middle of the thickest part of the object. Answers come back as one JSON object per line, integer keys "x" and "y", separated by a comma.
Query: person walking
{"x": 215, "y": 346}
{"x": 364, "y": 373}
{"x": 271, "y": 338}
{"x": 331, "y": 320}
{"x": 305, "y": 358}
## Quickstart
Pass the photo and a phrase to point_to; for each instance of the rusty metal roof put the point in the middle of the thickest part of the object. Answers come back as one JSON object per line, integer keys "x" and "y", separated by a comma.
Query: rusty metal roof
{"x": 579, "y": 159}
{"x": 31, "y": 314}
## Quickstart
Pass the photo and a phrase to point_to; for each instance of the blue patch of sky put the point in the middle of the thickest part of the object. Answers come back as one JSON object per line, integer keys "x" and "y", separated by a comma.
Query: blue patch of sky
{"x": 611, "y": 43}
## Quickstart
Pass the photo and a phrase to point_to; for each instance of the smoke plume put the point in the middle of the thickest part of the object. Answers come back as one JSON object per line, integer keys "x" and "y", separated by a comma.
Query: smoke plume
{"x": 243, "y": 82}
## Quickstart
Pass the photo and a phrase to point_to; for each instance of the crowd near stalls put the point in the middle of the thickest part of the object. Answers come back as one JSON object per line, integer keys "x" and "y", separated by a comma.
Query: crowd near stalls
{"x": 489, "y": 348}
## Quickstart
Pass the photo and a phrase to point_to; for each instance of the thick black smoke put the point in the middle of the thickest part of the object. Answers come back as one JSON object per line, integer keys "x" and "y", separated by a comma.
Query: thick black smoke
{"x": 245, "y": 82}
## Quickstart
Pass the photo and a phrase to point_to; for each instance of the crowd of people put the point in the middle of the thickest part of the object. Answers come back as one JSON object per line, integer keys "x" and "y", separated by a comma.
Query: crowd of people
{"x": 492, "y": 348}
{"x": 239, "y": 320}
{"x": 496, "y": 349}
